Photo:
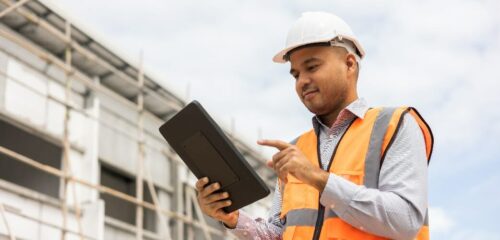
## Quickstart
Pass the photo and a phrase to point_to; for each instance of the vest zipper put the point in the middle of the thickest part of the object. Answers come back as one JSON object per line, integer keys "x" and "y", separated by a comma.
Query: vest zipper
{"x": 319, "y": 222}
{"x": 321, "y": 208}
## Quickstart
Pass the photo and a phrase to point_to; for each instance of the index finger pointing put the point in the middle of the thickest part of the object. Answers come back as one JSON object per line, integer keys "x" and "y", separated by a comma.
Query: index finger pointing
{"x": 280, "y": 145}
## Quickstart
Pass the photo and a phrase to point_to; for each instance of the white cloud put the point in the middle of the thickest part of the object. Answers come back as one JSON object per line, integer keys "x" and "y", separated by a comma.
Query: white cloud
{"x": 440, "y": 222}
{"x": 467, "y": 234}
{"x": 416, "y": 55}
{"x": 443, "y": 226}
{"x": 443, "y": 63}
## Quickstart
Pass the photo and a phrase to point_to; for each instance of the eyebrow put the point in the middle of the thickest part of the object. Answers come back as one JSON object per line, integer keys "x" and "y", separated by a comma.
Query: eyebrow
{"x": 311, "y": 59}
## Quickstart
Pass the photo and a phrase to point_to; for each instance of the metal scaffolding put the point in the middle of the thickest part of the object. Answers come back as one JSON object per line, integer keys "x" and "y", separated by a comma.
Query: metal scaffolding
{"x": 145, "y": 94}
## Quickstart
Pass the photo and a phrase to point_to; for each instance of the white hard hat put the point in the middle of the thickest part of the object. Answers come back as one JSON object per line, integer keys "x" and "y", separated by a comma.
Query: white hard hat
{"x": 323, "y": 29}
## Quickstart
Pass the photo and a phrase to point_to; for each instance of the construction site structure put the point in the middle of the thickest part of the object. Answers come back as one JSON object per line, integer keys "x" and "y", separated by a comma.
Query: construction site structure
{"x": 80, "y": 152}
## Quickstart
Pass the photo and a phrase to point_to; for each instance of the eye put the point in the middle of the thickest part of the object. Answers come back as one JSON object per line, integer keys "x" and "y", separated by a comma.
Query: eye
{"x": 312, "y": 67}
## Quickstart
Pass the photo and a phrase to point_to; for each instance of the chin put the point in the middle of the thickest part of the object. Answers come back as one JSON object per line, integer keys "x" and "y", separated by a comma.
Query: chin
{"x": 316, "y": 109}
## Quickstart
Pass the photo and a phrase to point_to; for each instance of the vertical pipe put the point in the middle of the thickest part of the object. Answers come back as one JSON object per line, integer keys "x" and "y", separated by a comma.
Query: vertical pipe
{"x": 156, "y": 202}
{"x": 178, "y": 193}
{"x": 66, "y": 147}
{"x": 140, "y": 161}
{"x": 94, "y": 111}
{"x": 199, "y": 213}
{"x": 189, "y": 213}
{"x": 7, "y": 226}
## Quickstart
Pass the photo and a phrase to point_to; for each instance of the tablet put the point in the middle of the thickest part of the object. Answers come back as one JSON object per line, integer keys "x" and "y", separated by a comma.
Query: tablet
{"x": 208, "y": 152}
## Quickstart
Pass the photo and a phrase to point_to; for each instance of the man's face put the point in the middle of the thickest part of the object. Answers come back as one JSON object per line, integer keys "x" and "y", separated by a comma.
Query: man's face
{"x": 320, "y": 78}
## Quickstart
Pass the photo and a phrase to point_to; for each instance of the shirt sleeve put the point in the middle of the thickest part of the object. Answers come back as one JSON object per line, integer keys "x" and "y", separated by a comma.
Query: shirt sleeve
{"x": 248, "y": 228}
{"x": 397, "y": 209}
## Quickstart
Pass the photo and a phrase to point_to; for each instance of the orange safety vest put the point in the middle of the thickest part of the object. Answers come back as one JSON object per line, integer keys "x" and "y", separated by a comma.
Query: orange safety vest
{"x": 357, "y": 157}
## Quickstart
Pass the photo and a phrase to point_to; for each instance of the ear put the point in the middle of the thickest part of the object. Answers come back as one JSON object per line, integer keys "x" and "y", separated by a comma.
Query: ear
{"x": 351, "y": 62}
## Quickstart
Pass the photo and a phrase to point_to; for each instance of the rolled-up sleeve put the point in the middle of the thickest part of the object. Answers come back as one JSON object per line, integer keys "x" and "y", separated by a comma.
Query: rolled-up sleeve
{"x": 248, "y": 228}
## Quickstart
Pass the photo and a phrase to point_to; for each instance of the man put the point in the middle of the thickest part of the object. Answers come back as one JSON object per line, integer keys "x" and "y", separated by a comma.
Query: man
{"x": 360, "y": 173}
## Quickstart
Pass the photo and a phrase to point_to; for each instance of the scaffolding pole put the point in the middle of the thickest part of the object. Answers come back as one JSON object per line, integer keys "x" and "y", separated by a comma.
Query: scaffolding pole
{"x": 103, "y": 189}
{"x": 86, "y": 53}
{"x": 12, "y": 7}
{"x": 179, "y": 193}
{"x": 156, "y": 202}
{"x": 6, "y": 223}
{"x": 67, "y": 148}
{"x": 192, "y": 201}
{"x": 106, "y": 190}
{"x": 141, "y": 160}
{"x": 85, "y": 113}
{"x": 66, "y": 175}
{"x": 139, "y": 192}
{"x": 43, "y": 222}
{"x": 86, "y": 81}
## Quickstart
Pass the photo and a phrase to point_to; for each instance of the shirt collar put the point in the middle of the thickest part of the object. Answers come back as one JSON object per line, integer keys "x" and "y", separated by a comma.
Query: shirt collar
{"x": 358, "y": 108}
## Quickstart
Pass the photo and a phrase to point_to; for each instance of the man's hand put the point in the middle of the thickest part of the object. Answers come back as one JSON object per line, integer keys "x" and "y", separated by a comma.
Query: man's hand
{"x": 290, "y": 160}
{"x": 211, "y": 203}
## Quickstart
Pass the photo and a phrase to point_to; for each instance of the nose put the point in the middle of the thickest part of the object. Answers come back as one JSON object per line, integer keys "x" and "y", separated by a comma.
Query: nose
{"x": 303, "y": 79}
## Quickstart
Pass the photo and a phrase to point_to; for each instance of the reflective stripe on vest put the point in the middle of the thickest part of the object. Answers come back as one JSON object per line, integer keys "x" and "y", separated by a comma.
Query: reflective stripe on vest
{"x": 301, "y": 214}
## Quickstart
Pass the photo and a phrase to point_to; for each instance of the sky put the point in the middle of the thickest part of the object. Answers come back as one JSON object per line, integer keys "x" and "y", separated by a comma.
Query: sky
{"x": 441, "y": 57}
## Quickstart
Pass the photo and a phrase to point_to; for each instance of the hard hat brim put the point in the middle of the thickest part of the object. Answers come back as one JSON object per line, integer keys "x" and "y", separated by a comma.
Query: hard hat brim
{"x": 280, "y": 56}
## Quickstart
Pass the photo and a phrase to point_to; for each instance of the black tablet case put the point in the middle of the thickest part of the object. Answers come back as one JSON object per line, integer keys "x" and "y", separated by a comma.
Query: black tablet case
{"x": 207, "y": 151}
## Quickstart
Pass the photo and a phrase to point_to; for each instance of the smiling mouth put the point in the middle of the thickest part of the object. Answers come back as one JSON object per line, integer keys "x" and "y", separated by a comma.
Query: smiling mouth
{"x": 309, "y": 92}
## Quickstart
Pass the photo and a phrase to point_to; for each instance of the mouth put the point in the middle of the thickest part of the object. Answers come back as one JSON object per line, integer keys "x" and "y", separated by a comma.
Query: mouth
{"x": 309, "y": 93}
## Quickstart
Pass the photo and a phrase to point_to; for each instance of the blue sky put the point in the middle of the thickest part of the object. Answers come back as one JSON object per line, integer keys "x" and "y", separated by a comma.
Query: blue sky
{"x": 440, "y": 56}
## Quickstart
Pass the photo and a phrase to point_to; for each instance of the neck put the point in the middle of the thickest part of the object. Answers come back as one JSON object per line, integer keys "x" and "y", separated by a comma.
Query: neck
{"x": 329, "y": 118}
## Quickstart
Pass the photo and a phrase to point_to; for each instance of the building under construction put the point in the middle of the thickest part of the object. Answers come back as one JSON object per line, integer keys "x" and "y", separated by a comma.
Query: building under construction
{"x": 80, "y": 152}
